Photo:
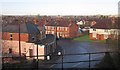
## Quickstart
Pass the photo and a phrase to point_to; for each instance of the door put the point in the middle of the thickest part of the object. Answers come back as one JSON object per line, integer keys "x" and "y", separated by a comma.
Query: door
{"x": 30, "y": 53}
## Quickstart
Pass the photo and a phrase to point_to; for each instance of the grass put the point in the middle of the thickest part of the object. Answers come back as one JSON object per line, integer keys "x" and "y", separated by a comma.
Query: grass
{"x": 87, "y": 39}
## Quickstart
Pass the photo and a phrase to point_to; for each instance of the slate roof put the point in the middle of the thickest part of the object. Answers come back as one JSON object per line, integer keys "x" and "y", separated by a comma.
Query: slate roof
{"x": 105, "y": 24}
{"x": 28, "y": 27}
{"x": 13, "y": 28}
{"x": 49, "y": 39}
{"x": 32, "y": 28}
{"x": 61, "y": 22}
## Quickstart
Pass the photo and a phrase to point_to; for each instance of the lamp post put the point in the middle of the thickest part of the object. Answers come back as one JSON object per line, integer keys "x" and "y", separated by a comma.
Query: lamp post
{"x": 37, "y": 53}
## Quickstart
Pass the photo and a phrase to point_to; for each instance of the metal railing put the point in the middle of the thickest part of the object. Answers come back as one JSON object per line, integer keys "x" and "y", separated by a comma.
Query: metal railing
{"x": 62, "y": 55}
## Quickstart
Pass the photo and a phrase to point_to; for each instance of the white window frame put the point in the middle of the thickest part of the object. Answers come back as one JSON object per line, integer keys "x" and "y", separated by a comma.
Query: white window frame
{"x": 52, "y": 27}
{"x": 52, "y": 32}
{"x": 106, "y": 30}
{"x": 66, "y": 29}
{"x": 105, "y": 36}
{"x": 94, "y": 35}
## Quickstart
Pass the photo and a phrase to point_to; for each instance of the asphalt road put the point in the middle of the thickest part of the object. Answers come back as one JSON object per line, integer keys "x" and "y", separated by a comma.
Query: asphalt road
{"x": 74, "y": 47}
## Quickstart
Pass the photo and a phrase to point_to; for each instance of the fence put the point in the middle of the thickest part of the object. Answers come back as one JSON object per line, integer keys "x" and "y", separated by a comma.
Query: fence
{"x": 62, "y": 55}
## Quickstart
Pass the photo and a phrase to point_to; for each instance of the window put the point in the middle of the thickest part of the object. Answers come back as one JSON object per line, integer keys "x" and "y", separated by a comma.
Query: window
{"x": 11, "y": 36}
{"x": 94, "y": 35}
{"x": 57, "y": 28}
{"x": 94, "y": 29}
{"x": 10, "y": 50}
{"x": 58, "y": 34}
{"x": 24, "y": 50}
{"x": 105, "y": 30}
{"x": 48, "y": 27}
{"x": 52, "y": 27}
{"x": 31, "y": 52}
{"x": 66, "y": 29}
{"x": 61, "y": 33}
{"x": 105, "y": 36}
{"x": 52, "y": 32}
{"x": 61, "y": 28}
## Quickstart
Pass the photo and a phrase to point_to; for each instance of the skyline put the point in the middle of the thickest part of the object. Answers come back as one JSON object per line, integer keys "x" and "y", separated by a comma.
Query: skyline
{"x": 59, "y": 7}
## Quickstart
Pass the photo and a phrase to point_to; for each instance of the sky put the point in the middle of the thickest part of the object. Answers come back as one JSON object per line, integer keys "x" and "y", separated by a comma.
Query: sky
{"x": 59, "y": 7}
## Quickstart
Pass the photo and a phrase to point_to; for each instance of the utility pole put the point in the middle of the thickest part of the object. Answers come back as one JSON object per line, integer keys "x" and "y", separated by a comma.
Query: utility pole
{"x": 19, "y": 37}
{"x": 56, "y": 32}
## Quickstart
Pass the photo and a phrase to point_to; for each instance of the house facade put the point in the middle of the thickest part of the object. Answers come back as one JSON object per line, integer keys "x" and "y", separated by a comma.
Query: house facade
{"x": 30, "y": 37}
{"x": 103, "y": 29}
{"x": 62, "y": 28}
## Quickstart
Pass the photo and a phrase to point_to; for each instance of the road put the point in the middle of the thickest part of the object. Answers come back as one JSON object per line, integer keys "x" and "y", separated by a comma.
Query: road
{"x": 74, "y": 47}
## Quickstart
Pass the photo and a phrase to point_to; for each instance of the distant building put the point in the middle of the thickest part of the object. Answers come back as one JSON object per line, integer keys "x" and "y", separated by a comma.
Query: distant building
{"x": 103, "y": 29}
{"x": 29, "y": 36}
{"x": 63, "y": 27}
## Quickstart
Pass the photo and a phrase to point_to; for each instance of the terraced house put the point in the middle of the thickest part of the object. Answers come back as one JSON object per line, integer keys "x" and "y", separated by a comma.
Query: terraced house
{"x": 103, "y": 29}
{"x": 64, "y": 28}
{"x": 30, "y": 36}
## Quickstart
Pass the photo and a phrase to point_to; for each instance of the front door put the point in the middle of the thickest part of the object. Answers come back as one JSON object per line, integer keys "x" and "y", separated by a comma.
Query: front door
{"x": 30, "y": 53}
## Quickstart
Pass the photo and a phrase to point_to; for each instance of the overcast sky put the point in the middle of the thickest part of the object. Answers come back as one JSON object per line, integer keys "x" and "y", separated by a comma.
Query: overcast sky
{"x": 59, "y": 7}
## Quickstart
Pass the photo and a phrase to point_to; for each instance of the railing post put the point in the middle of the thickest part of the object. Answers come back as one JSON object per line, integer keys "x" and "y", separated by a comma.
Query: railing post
{"x": 89, "y": 60}
{"x": 62, "y": 61}
{"x": 37, "y": 56}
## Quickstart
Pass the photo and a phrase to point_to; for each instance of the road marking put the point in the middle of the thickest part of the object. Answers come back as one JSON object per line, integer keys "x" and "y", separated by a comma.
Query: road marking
{"x": 101, "y": 56}
{"x": 52, "y": 65}
{"x": 77, "y": 64}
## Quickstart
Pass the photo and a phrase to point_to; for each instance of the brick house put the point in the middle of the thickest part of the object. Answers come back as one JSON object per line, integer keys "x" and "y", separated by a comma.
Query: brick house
{"x": 29, "y": 35}
{"x": 63, "y": 27}
{"x": 103, "y": 29}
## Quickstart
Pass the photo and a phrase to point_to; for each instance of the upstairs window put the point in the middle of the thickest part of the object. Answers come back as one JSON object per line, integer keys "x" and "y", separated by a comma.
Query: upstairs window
{"x": 52, "y": 27}
{"x": 10, "y": 50}
{"x": 94, "y": 29}
{"x": 11, "y": 36}
{"x": 66, "y": 28}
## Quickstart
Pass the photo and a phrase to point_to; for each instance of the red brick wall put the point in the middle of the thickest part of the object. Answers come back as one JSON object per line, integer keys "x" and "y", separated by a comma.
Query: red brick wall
{"x": 102, "y": 37}
{"x": 23, "y": 37}
{"x": 98, "y": 37}
{"x": 90, "y": 35}
{"x": 58, "y": 31}
{"x": 110, "y": 36}
{"x": 73, "y": 30}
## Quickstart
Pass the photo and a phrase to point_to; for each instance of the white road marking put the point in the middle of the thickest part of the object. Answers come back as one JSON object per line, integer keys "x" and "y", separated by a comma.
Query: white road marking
{"x": 52, "y": 65}
{"x": 83, "y": 62}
